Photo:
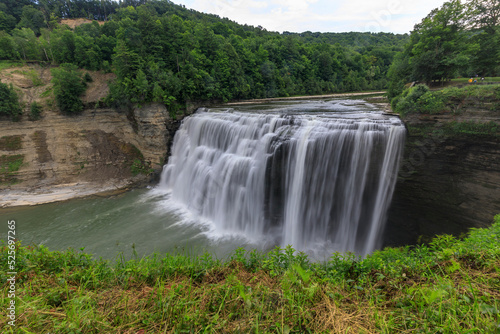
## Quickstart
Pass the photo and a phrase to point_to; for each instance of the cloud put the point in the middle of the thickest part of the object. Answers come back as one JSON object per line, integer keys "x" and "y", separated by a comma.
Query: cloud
{"x": 321, "y": 15}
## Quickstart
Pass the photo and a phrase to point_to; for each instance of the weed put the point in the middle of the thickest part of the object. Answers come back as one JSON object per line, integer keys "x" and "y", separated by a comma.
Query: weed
{"x": 9, "y": 165}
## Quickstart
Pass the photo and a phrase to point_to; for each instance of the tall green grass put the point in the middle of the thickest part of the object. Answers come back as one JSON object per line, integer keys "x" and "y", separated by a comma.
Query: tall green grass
{"x": 446, "y": 286}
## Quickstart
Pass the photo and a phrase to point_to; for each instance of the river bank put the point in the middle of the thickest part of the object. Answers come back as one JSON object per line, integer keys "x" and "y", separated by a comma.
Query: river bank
{"x": 61, "y": 192}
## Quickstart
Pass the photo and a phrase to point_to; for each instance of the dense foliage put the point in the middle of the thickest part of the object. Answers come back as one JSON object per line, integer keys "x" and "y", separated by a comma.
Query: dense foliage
{"x": 460, "y": 39}
{"x": 446, "y": 286}
{"x": 68, "y": 86}
{"x": 166, "y": 53}
{"x": 420, "y": 99}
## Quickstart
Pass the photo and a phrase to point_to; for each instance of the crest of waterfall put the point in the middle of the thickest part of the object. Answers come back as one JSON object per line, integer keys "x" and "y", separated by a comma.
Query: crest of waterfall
{"x": 307, "y": 180}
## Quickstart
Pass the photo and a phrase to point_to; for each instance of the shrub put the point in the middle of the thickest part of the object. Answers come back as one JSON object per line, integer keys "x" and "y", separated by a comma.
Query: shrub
{"x": 418, "y": 99}
{"x": 9, "y": 102}
{"x": 35, "y": 111}
{"x": 68, "y": 86}
{"x": 141, "y": 167}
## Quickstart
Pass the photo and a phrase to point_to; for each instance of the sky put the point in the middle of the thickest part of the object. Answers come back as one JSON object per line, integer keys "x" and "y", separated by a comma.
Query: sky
{"x": 397, "y": 16}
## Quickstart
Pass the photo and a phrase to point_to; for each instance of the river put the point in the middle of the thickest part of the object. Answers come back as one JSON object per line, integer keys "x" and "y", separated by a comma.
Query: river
{"x": 315, "y": 174}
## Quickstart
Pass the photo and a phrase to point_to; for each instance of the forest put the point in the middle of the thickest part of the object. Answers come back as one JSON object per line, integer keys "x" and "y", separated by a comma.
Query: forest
{"x": 460, "y": 39}
{"x": 163, "y": 52}
{"x": 166, "y": 53}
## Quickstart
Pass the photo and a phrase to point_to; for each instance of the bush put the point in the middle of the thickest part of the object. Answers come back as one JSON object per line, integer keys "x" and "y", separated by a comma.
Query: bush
{"x": 418, "y": 99}
{"x": 35, "y": 111}
{"x": 68, "y": 86}
{"x": 9, "y": 102}
{"x": 87, "y": 78}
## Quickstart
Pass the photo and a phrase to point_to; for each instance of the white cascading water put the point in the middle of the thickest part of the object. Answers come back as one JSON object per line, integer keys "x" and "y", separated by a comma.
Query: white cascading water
{"x": 307, "y": 180}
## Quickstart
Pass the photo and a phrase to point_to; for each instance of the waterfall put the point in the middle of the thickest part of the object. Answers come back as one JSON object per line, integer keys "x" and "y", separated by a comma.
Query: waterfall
{"x": 306, "y": 179}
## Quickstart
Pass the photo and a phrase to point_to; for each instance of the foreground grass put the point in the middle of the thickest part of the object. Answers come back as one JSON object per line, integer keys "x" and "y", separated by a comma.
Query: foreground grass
{"x": 447, "y": 286}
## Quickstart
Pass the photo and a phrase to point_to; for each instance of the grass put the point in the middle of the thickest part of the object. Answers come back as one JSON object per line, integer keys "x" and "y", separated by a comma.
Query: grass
{"x": 446, "y": 286}
{"x": 33, "y": 75}
{"x": 11, "y": 143}
{"x": 47, "y": 92}
{"x": 4, "y": 64}
{"x": 9, "y": 165}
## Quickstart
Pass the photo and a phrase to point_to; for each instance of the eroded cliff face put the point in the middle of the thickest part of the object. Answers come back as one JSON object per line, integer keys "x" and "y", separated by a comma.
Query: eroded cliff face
{"x": 449, "y": 179}
{"x": 98, "y": 145}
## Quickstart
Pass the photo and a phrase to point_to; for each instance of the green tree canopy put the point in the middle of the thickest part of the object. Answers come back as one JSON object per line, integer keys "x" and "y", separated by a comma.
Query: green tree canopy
{"x": 68, "y": 87}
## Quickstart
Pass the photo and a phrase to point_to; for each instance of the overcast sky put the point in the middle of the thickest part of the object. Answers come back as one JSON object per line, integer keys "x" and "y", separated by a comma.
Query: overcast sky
{"x": 397, "y": 16}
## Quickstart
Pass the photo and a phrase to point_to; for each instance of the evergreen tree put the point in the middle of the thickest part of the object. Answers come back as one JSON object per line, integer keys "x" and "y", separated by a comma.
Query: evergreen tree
{"x": 9, "y": 102}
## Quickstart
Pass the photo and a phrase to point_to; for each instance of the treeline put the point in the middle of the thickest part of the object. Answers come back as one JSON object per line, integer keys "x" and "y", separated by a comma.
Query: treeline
{"x": 166, "y": 53}
{"x": 460, "y": 39}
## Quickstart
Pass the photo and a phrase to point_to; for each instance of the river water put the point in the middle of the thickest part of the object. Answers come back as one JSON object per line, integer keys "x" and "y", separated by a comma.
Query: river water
{"x": 315, "y": 174}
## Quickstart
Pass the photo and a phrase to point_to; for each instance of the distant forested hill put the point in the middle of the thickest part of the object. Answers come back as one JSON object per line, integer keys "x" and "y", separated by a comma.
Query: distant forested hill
{"x": 166, "y": 53}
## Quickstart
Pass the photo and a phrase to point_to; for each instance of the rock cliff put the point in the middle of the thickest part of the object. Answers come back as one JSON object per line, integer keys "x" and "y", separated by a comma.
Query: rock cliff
{"x": 98, "y": 146}
{"x": 449, "y": 179}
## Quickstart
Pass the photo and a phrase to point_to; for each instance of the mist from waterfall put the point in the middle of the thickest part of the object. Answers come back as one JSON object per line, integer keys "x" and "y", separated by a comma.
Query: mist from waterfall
{"x": 310, "y": 175}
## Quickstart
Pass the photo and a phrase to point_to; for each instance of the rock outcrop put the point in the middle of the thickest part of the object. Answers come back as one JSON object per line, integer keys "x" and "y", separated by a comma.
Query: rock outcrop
{"x": 96, "y": 146}
{"x": 449, "y": 179}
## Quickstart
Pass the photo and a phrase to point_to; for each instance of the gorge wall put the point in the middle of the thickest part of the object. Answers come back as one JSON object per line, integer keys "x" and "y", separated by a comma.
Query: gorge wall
{"x": 449, "y": 179}
{"x": 98, "y": 146}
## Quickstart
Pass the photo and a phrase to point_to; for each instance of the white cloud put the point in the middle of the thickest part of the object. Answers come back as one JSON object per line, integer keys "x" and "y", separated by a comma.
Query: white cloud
{"x": 321, "y": 15}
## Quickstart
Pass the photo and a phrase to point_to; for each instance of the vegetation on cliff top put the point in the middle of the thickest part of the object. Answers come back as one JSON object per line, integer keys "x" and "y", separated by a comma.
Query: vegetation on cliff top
{"x": 460, "y": 39}
{"x": 447, "y": 286}
{"x": 420, "y": 99}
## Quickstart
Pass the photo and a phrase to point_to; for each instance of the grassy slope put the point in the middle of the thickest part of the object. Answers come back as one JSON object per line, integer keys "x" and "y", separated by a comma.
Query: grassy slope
{"x": 448, "y": 286}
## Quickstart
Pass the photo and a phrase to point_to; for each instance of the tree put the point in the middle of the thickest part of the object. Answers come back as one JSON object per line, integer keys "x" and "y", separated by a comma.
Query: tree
{"x": 63, "y": 45}
{"x": 68, "y": 87}
{"x": 398, "y": 75}
{"x": 7, "y": 47}
{"x": 439, "y": 46}
{"x": 32, "y": 18}
{"x": 7, "y": 22}
{"x": 26, "y": 43}
{"x": 483, "y": 18}
{"x": 9, "y": 102}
